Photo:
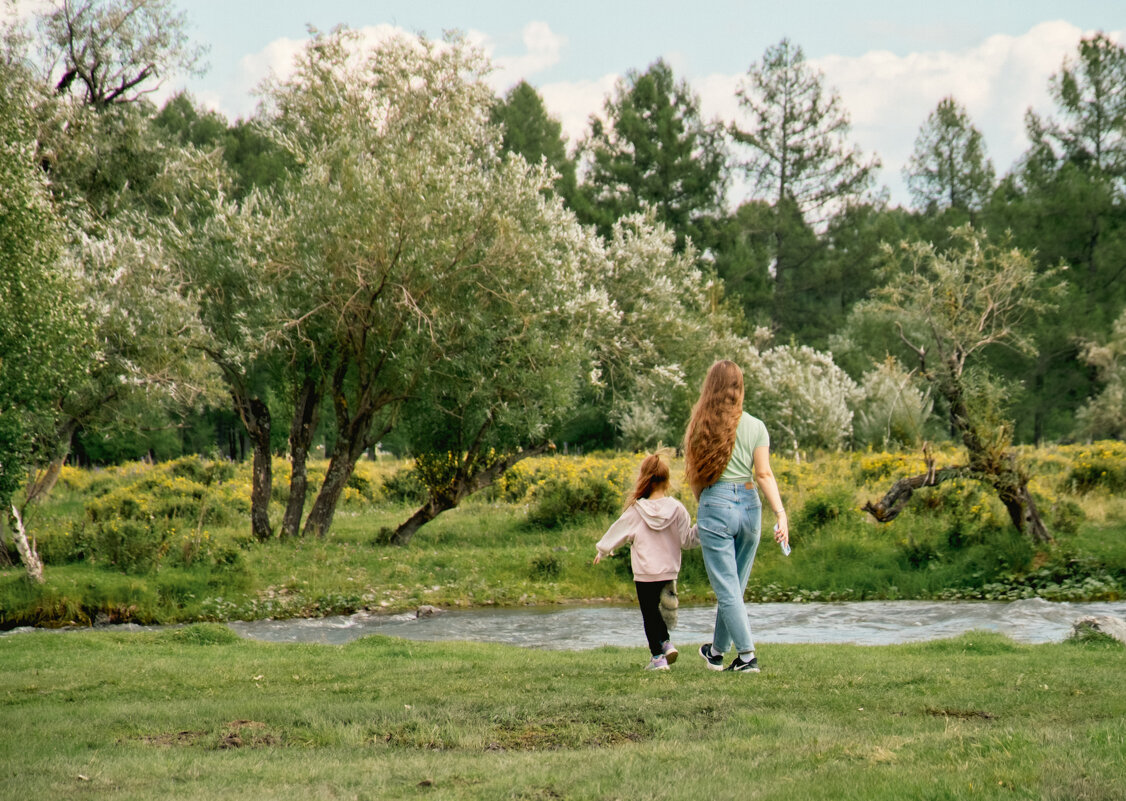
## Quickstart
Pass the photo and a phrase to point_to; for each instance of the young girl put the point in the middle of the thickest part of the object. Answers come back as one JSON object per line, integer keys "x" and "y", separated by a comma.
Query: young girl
{"x": 658, "y": 526}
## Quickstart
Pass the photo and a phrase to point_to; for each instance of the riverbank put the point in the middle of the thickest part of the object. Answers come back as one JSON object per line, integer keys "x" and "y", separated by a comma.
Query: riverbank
{"x": 197, "y": 713}
{"x": 503, "y": 550}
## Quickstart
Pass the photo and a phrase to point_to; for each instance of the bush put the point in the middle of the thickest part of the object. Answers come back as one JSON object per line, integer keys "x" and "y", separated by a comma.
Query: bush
{"x": 824, "y": 507}
{"x": 546, "y": 567}
{"x": 1065, "y": 516}
{"x": 160, "y": 497}
{"x": 560, "y": 501}
{"x": 202, "y": 471}
{"x": 1098, "y": 473}
{"x": 971, "y": 509}
{"x": 405, "y": 486}
{"x": 516, "y": 481}
{"x": 133, "y": 546}
{"x": 918, "y": 554}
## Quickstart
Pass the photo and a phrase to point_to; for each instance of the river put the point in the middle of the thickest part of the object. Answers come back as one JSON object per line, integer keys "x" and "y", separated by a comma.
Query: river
{"x": 583, "y": 627}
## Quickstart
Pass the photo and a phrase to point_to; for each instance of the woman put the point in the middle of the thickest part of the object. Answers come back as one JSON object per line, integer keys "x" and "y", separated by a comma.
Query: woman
{"x": 727, "y": 453}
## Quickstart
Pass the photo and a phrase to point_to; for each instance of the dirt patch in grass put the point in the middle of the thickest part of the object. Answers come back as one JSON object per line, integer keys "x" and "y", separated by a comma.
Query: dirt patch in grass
{"x": 176, "y": 738}
{"x": 960, "y": 714}
{"x": 236, "y": 734}
{"x": 247, "y": 734}
{"x": 552, "y": 735}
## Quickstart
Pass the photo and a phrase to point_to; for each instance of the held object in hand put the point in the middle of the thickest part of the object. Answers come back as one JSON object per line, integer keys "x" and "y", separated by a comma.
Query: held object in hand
{"x": 785, "y": 545}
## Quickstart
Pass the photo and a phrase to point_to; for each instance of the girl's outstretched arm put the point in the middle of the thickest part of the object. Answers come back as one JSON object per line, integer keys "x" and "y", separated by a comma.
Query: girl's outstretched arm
{"x": 617, "y": 535}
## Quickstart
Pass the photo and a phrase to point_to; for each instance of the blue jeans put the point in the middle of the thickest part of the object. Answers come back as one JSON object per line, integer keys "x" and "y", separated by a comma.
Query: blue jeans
{"x": 729, "y": 522}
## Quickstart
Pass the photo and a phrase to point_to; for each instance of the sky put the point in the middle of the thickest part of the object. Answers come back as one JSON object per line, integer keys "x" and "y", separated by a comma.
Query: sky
{"x": 891, "y": 61}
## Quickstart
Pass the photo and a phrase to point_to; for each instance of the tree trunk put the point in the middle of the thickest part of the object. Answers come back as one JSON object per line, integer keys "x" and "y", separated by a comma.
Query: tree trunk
{"x": 31, "y": 560}
{"x": 307, "y": 401}
{"x": 340, "y": 469}
{"x": 45, "y": 482}
{"x": 255, "y": 416}
{"x": 895, "y": 499}
{"x": 425, "y": 513}
{"x": 464, "y": 485}
{"x": 1012, "y": 488}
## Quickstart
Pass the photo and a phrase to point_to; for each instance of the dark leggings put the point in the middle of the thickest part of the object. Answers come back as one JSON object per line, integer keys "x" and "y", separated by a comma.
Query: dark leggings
{"x": 649, "y": 599}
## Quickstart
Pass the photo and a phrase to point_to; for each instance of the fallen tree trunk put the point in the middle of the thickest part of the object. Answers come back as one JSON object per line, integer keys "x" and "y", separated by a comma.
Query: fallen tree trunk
{"x": 888, "y": 507}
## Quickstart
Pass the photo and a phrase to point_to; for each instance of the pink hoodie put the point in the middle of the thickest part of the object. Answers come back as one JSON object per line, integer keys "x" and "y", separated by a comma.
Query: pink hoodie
{"x": 659, "y": 529}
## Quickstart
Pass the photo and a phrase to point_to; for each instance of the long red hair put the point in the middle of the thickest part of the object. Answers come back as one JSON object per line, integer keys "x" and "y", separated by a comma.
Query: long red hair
{"x": 710, "y": 437}
{"x": 654, "y": 475}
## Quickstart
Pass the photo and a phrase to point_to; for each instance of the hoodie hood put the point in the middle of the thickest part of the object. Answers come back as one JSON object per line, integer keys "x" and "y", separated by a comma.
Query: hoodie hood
{"x": 658, "y": 514}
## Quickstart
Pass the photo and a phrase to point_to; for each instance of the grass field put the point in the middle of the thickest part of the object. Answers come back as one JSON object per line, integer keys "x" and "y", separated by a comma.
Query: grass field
{"x": 195, "y": 713}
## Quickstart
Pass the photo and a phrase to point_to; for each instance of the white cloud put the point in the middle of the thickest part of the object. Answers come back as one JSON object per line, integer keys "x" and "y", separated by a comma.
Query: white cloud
{"x": 572, "y": 102}
{"x": 543, "y": 49}
{"x": 889, "y": 96}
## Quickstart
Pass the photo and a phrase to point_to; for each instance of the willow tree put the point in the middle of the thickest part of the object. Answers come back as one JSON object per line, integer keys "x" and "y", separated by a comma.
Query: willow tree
{"x": 41, "y": 329}
{"x": 433, "y": 264}
{"x": 949, "y": 308}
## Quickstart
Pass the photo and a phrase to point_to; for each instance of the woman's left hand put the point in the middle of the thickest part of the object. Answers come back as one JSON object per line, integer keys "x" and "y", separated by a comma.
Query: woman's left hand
{"x": 782, "y": 528}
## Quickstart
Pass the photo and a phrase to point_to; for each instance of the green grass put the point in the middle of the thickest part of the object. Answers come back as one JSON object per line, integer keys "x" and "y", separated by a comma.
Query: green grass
{"x": 195, "y": 713}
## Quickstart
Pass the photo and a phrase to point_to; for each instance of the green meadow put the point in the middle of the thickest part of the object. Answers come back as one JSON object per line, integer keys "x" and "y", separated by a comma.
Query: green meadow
{"x": 196, "y": 713}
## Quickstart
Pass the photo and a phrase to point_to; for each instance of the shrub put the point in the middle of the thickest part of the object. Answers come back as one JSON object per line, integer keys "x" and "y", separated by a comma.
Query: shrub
{"x": 133, "y": 546}
{"x": 561, "y": 500}
{"x": 364, "y": 486}
{"x": 1098, "y": 473}
{"x": 405, "y": 486}
{"x": 516, "y": 481}
{"x": 202, "y": 471}
{"x": 546, "y": 566}
{"x": 1065, "y": 516}
{"x": 918, "y": 554}
{"x": 824, "y": 507}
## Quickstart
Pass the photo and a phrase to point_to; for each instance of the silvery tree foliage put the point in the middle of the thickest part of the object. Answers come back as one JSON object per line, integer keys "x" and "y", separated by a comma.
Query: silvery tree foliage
{"x": 802, "y": 396}
{"x": 890, "y": 410}
{"x": 1104, "y": 415}
{"x": 660, "y": 323}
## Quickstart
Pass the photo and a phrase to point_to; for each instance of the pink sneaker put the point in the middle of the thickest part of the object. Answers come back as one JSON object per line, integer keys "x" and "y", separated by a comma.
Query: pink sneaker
{"x": 658, "y": 663}
{"x": 669, "y": 651}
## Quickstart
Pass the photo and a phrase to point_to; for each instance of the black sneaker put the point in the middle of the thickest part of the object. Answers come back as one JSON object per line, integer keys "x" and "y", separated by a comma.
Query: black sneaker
{"x": 739, "y": 666}
{"x": 713, "y": 662}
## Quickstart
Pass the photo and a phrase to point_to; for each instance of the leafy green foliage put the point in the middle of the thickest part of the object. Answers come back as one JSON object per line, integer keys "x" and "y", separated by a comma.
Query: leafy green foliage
{"x": 530, "y": 132}
{"x": 41, "y": 326}
{"x": 948, "y": 168}
{"x": 405, "y": 486}
{"x": 652, "y": 152}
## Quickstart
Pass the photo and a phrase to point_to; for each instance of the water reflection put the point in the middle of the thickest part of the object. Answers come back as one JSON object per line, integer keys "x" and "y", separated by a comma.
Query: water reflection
{"x": 583, "y": 627}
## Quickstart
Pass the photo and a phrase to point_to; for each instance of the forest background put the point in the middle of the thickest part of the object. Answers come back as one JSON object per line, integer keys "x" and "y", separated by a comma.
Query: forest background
{"x": 389, "y": 257}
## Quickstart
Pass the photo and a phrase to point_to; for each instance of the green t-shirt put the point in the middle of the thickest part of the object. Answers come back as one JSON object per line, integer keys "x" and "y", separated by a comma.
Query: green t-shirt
{"x": 750, "y": 434}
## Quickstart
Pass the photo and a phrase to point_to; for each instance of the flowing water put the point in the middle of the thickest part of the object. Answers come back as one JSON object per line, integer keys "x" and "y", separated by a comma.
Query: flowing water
{"x": 582, "y": 627}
